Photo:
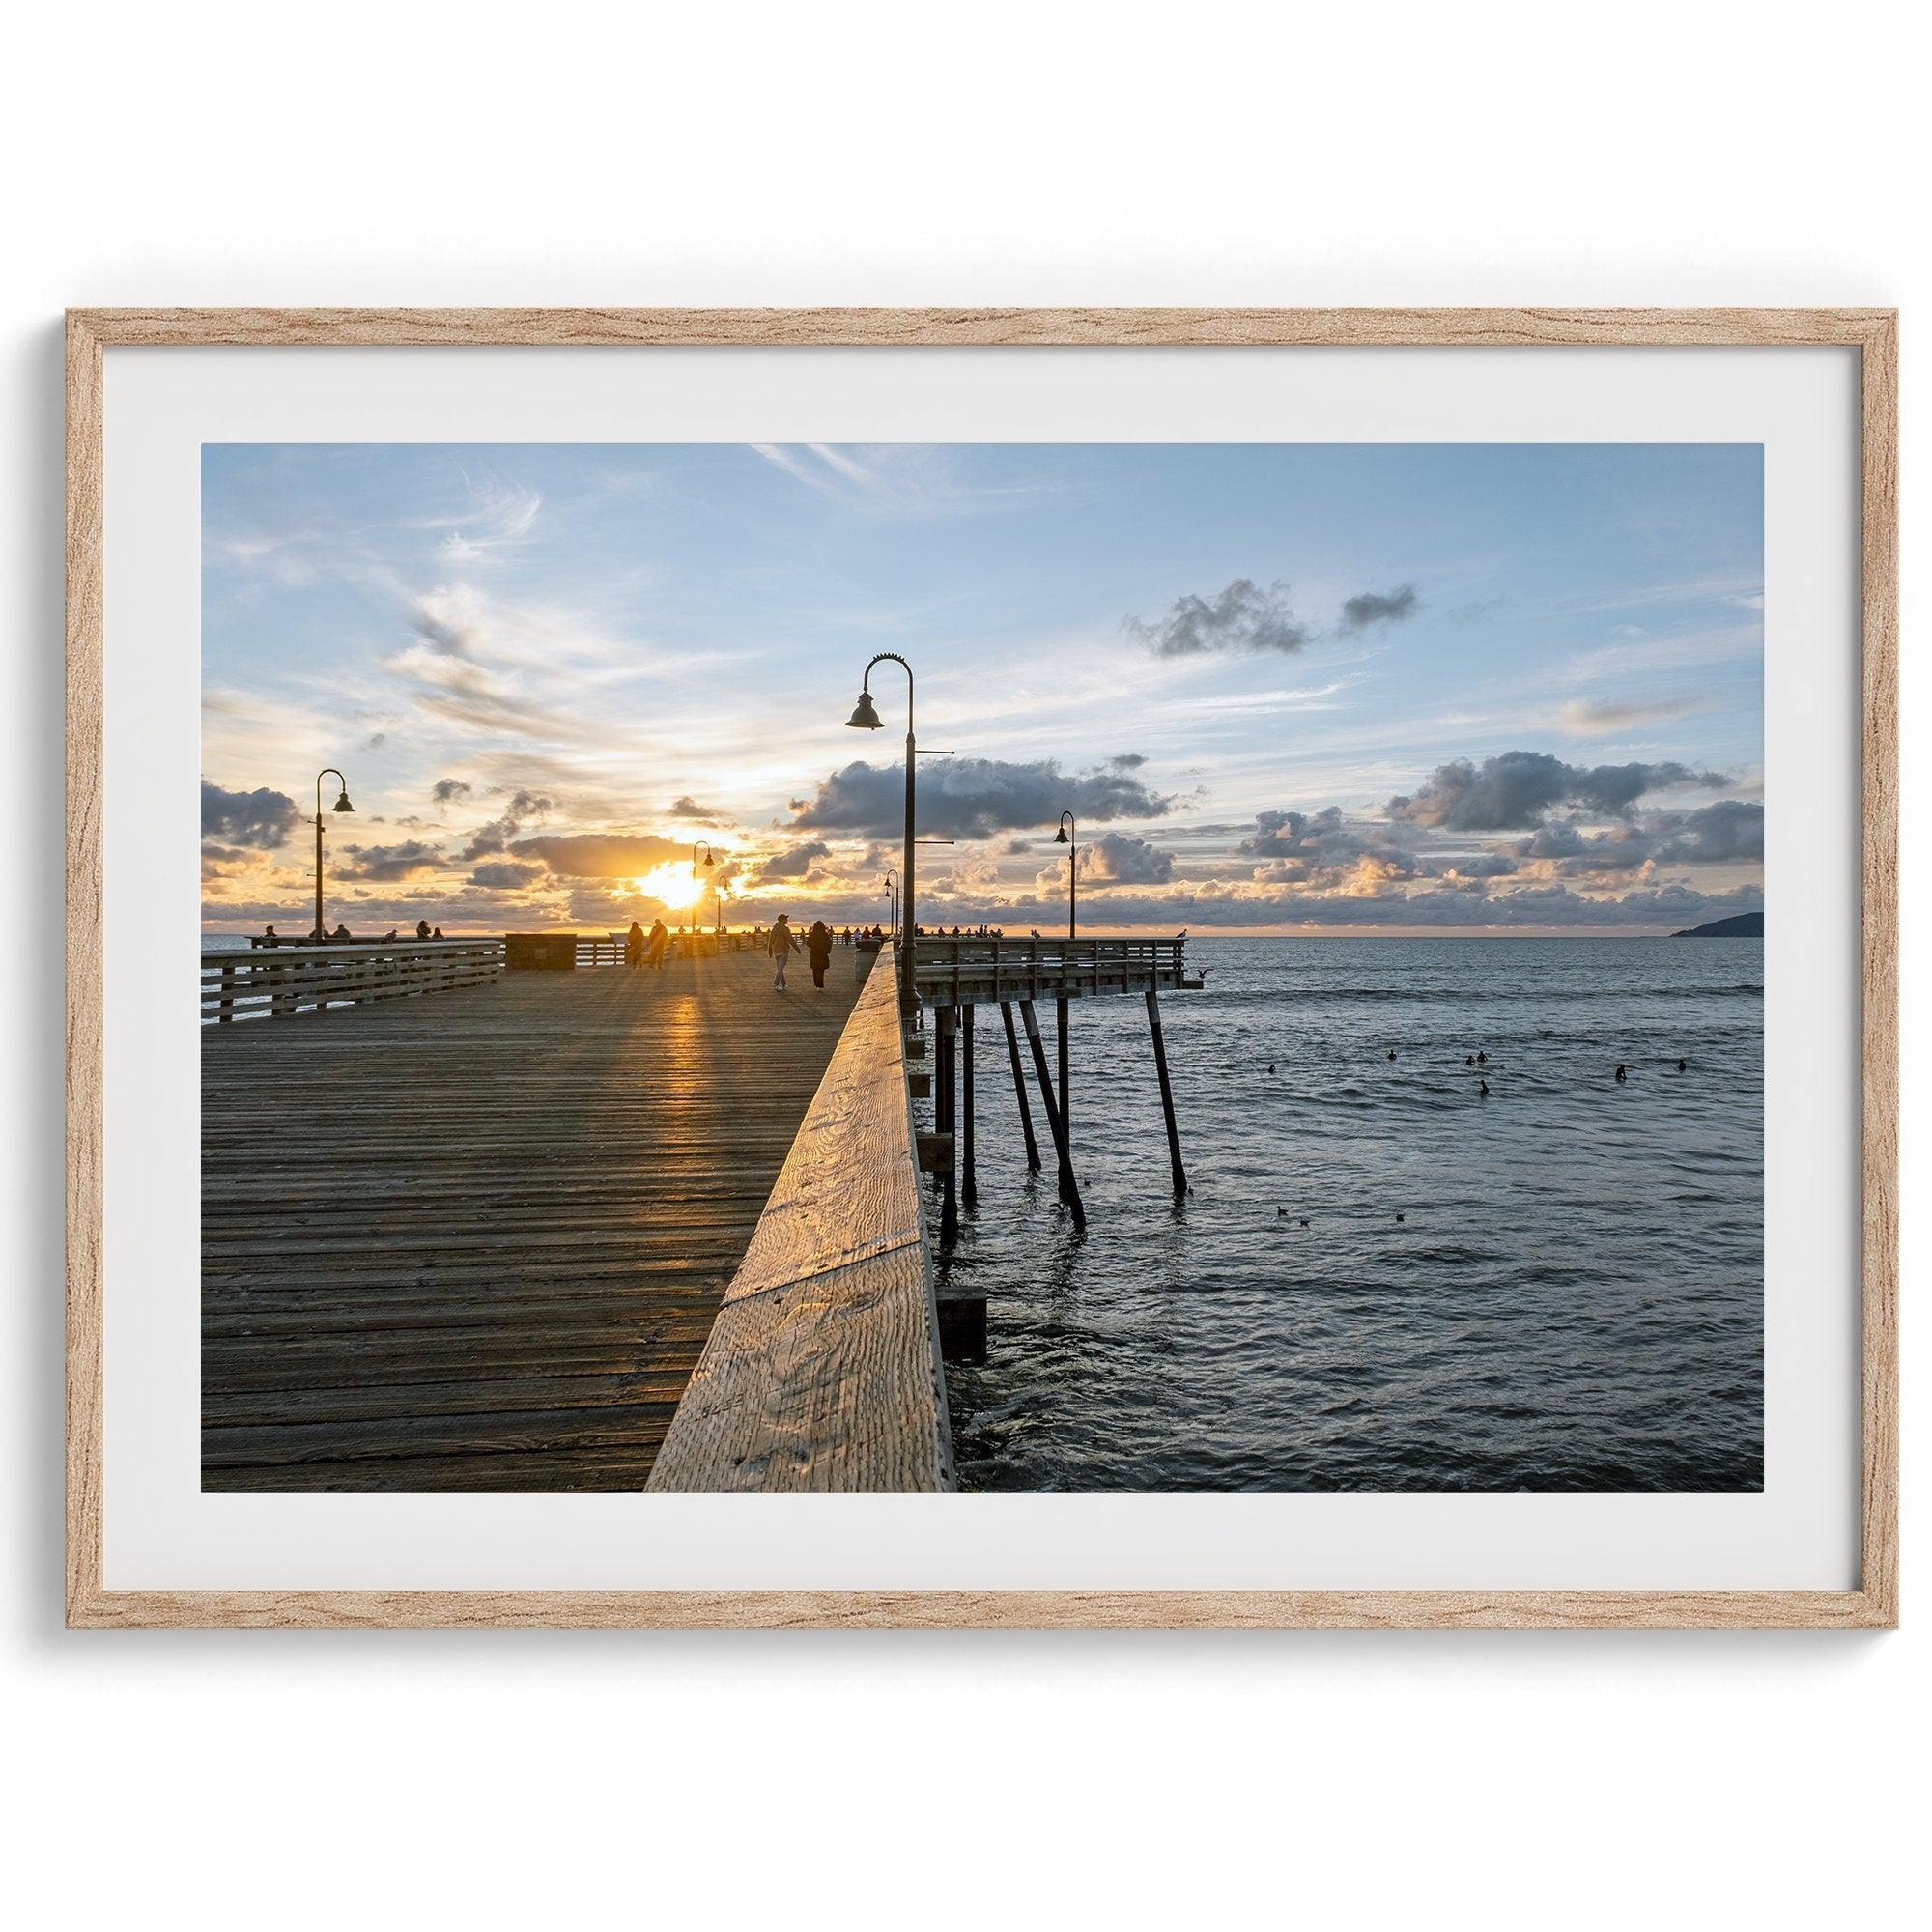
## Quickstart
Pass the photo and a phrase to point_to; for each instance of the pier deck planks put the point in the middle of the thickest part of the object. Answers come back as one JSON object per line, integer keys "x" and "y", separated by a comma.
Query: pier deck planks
{"x": 476, "y": 1241}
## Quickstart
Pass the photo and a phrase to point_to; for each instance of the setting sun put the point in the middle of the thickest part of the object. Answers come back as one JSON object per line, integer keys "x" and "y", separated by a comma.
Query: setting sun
{"x": 674, "y": 885}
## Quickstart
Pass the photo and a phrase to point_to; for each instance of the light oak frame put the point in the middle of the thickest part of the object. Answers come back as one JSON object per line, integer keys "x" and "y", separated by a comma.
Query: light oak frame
{"x": 1873, "y": 332}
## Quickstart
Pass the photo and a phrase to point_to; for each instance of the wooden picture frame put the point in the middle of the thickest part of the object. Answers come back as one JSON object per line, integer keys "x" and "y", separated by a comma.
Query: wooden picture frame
{"x": 1871, "y": 332}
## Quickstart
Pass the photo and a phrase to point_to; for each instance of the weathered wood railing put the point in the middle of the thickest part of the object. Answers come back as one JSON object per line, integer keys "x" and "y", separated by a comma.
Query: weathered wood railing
{"x": 273, "y": 982}
{"x": 822, "y": 1371}
{"x": 969, "y": 971}
{"x": 607, "y": 948}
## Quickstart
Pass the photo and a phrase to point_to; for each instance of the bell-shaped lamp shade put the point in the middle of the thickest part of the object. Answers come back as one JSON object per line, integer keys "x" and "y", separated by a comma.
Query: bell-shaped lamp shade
{"x": 342, "y": 804}
{"x": 863, "y": 717}
{"x": 1059, "y": 836}
{"x": 709, "y": 861}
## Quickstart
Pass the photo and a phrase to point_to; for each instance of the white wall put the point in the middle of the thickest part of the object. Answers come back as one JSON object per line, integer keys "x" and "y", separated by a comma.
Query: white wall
{"x": 992, "y": 154}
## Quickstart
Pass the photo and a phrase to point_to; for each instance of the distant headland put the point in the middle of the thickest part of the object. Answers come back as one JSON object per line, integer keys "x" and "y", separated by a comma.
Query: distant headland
{"x": 1742, "y": 925}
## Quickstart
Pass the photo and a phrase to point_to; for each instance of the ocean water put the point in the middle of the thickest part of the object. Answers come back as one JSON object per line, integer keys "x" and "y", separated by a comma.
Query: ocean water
{"x": 1572, "y": 1300}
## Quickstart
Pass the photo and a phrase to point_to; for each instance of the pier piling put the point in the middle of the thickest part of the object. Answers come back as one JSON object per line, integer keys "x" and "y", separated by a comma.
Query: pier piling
{"x": 969, "y": 1189}
{"x": 949, "y": 1206}
{"x": 1019, "y": 1087}
{"x": 1070, "y": 1188}
{"x": 1166, "y": 1094}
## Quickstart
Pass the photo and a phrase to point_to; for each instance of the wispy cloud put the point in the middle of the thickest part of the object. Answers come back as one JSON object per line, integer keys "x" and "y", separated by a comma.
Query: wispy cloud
{"x": 1598, "y": 716}
{"x": 906, "y": 479}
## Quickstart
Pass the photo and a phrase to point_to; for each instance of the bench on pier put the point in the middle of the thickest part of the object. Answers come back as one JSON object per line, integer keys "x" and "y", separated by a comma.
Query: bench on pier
{"x": 823, "y": 1371}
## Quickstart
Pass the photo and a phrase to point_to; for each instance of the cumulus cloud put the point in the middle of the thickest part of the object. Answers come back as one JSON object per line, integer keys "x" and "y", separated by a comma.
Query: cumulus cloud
{"x": 495, "y": 833}
{"x": 1731, "y": 831}
{"x": 1115, "y": 858}
{"x": 407, "y": 861}
{"x": 600, "y": 855}
{"x": 794, "y": 862}
{"x": 1443, "y": 907}
{"x": 692, "y": 813}
{"x": 1242, "y": 618}
{"x": 1512, "y": 792}
{"x": 445, "y": 789}
{"x": 1286, "y": 835}
{"x": 506, "y": 875}
{"x": 260, "y": 818}
{"x": 1321, "y": 849}
{"x": 1359, "y": 613}
{"x": 973, "y": 798}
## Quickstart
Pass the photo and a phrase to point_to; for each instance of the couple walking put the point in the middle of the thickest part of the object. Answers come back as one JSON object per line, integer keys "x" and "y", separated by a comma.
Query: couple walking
{"x": 641, "y": 952}
{"x": 780, "y": 944}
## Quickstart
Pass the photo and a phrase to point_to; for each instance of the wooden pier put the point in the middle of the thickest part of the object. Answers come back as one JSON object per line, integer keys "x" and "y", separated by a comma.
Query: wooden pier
{"x": 957, "y": 974}
{"x": 475, "y": 1239}
{"x": 513, "y": 1216}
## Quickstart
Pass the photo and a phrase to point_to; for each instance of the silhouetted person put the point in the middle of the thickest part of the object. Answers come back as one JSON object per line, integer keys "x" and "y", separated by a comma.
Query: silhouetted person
{"x": 1401, "y": 1217}
{"x": 1483, "y": 1089}
{"x": 1391, "y": 1053}
{"x": 438, "y": 933}
{"x": 1620, "y": 1073}
{"x": 268, "y": 939}
{"x": 780, "y": 945}
{"x": 1469, "y": 1059}
{"x": 423, "y": 928}
{"x": 1482, "y": 1058}
{"x": 654, "y": 950}
{"x": 1683, "y": 1066}
{"x": 340, "y": 932}
{"x": 634, "y": 948}
{"x": 818, "y": 950}
{"x": 1271, "y": 1069}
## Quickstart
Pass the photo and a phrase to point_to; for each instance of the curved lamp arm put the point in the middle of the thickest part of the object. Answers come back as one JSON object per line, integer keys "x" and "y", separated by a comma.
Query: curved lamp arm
{"x": 892, "y": 657}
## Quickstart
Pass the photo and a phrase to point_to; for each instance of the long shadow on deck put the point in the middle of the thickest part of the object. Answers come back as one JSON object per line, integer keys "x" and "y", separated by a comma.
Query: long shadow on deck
{"x": 475, "y": 1241}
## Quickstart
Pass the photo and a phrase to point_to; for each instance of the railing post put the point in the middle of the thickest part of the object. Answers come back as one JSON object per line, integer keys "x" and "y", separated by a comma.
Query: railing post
{"x": 225, "y": 1008}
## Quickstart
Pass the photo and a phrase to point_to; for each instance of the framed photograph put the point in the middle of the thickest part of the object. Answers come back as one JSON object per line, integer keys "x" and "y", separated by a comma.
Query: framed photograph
{"x": 998, "y": 968}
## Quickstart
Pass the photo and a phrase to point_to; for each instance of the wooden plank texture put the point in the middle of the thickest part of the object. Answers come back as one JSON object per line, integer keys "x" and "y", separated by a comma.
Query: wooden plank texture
{"x": 476, "y": 1242}
{"x": 822, "y": 1371}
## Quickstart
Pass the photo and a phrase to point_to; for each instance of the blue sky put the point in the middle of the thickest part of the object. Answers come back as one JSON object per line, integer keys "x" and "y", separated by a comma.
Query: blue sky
{"x": 1330, "y": 688}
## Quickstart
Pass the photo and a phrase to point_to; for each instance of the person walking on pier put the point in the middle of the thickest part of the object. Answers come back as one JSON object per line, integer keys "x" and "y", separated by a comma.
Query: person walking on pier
{"x": 780, "y": 945}
{"x": 634, "y": 946}
{"x": 818, "y": 950}
{"x": 423, "y": 928}
{"x": 654, "y": 953}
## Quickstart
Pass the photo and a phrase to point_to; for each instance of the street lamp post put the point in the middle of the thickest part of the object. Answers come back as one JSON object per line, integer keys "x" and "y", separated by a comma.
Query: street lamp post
{"x": 866, "y": 718}
{"x": 890, "y": 885}
{"x": 1068, "y": 835}
{"x": 690, "y": 911}
{"x": 341, "y": 805}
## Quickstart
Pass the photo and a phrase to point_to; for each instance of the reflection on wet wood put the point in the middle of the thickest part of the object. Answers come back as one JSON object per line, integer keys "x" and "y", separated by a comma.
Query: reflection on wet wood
{"x": 476, "y": 1242}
